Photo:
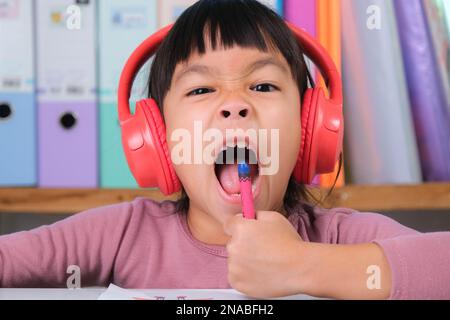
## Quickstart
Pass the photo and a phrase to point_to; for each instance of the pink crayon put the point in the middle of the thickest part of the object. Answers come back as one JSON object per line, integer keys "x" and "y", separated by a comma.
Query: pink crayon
{"x": 245, "y": 182}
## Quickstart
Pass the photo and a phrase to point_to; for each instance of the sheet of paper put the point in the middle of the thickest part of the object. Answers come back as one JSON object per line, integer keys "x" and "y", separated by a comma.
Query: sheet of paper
{"x": 116, "y": 293}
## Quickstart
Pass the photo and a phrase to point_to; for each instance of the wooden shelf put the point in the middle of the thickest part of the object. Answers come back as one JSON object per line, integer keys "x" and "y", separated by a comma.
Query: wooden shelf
{"x": 362, "y": 198}
{"x": 430, "y": 196}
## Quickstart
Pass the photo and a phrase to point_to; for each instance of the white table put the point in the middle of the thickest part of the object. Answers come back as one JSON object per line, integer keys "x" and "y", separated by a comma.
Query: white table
{"x": 119, "y": 293}
{"x": 51, "y": 294}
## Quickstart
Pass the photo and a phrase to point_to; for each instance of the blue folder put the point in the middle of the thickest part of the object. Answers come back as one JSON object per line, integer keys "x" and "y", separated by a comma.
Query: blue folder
{"x": 18, "y": 139}
{"x": 17, "y": 98}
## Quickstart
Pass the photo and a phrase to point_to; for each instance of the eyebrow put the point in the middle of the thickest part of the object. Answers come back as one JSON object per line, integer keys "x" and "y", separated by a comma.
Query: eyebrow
{"x": 205, "y": 70}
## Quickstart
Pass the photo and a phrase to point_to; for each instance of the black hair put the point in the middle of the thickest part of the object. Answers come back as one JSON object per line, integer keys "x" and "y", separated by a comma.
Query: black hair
{"x": 228, "y": 23}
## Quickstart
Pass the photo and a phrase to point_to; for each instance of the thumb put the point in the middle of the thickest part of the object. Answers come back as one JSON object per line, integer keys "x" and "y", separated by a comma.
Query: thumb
{"x": 266, "y": 215}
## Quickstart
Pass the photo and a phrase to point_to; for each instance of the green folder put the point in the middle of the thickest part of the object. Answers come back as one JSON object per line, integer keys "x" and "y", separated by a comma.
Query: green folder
{"x": 123, "y": 25}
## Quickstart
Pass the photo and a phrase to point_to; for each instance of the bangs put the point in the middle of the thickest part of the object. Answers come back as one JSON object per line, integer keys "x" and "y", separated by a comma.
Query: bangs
{"x": 223, "y": 24}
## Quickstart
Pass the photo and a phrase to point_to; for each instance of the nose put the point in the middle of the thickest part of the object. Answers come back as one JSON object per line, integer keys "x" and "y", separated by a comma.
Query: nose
{"x": 234, "y": 111}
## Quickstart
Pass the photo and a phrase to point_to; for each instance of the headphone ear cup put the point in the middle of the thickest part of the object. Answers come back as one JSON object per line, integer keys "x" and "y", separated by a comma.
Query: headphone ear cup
{"x": 322, "y": 136}
{"x": 308, "y": 112}
{"x": 145, "y": 145}
{"x": 174, "y": 184}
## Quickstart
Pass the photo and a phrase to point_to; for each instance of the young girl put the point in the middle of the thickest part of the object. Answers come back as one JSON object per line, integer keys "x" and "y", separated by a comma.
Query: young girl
{"x": 233, "y": 64}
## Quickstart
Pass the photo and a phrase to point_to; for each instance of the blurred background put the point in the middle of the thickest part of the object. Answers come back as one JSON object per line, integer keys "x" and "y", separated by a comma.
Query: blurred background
{"x": 60, "y": 62}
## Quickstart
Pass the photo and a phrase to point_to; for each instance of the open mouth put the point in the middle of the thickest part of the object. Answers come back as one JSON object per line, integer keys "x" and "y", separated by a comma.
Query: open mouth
{"x": 226, "y": 170}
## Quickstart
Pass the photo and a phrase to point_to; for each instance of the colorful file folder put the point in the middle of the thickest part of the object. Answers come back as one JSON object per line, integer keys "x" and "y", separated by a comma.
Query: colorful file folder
{"x": 380, "y": 139}
{"x": 329, "y": 35}
{"x": 66, "y": 66}
{"x": 426, "y": 90}
{"x": 17, "y": 100}
{"x": 302, "y": 14}
{"x": 128, "y": 24}
{"x": 437, "y": 25}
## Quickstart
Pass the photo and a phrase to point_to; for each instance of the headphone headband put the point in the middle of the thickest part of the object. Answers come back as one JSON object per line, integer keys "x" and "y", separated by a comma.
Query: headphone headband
{"x": 147, "y": 48}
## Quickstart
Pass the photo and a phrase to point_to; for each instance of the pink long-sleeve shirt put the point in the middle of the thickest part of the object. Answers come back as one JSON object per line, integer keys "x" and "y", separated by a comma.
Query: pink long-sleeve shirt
{"x": 146, "y": 244}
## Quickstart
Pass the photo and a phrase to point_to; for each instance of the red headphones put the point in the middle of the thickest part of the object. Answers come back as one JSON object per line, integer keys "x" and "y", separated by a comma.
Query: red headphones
{"x": 144, "y": 133}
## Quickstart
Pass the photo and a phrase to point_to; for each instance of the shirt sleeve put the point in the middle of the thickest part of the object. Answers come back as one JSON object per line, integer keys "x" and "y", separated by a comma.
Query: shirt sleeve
{"x": 419, "y": 262}
{"x": 41, "y": 257}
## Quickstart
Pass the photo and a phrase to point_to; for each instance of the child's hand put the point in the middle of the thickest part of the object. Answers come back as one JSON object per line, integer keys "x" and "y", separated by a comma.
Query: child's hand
{"x": 264, "y": 255}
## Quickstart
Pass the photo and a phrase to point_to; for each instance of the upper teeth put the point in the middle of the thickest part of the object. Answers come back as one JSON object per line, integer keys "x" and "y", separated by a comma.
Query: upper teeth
{"x": 239, "y": 155}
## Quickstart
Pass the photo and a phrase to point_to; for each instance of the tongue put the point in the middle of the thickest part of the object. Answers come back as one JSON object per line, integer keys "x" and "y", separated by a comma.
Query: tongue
{"x": 229, "y": 178}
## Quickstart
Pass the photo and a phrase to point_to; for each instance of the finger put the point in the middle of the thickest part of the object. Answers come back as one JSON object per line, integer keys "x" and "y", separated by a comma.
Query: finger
{"x": 266, "y": 215}
{"x": 262, "y": 215}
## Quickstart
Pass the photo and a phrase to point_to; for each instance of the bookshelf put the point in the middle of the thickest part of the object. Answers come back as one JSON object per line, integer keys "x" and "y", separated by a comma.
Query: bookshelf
{"x": 433, "y": 196}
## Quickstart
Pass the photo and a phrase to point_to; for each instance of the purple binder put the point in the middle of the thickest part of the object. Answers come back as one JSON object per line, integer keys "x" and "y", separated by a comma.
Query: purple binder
{"x": 67, "y": 106}
{"x": 67, "y": 145}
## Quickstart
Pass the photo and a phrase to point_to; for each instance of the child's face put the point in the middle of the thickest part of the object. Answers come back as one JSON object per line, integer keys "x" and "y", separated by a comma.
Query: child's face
{"x": 227, "y": 96}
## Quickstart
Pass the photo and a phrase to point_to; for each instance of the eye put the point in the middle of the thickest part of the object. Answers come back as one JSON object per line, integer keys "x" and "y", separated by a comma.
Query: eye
{"x": 264, "y": 87}
{"x": 199, "y": 91}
